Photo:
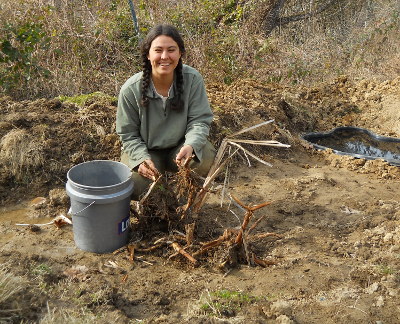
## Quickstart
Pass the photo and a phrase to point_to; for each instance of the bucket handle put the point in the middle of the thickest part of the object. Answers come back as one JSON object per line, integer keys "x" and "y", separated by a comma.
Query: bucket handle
{"x": 74, "y": 214}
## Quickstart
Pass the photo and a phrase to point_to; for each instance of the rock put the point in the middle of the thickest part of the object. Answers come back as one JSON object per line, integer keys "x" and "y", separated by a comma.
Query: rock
{"x": 283, "y": 319}
{"x": 372, "y": 96}
{"x": 380, "y": 301}
{"x": 281, "y": 307}
{"x": 388, "y": 238}
{"x": 372, "y": 288}
{"x": 38, "y": 202}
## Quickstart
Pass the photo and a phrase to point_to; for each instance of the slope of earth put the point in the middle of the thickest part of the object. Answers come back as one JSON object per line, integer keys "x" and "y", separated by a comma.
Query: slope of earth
{"x": 337, "y": 257}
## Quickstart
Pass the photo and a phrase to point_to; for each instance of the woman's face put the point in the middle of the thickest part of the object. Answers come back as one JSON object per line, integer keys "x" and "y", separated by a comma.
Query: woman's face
{"x": 164, "y": 55}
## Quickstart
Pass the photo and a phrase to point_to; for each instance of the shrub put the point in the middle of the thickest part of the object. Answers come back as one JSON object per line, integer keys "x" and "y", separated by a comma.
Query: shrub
{"x": 18, "y": 47}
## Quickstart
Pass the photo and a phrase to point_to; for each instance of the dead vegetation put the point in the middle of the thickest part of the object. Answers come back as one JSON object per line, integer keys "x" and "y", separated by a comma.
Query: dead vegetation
{"x": 21, "y": 153}
{"x": 10, "y": 286}
{"x": 176, "y": 200}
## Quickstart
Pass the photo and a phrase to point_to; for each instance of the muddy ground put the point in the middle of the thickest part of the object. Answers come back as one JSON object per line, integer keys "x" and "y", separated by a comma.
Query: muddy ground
{"x": 337, "y": 259}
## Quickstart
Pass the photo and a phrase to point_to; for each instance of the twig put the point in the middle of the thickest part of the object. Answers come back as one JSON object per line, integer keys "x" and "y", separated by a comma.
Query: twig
{"x": 180, "y": 250}
{"x": 235, "y": 215}
{"x": 246, "y": 250}
{"x": 227, "y": 272}
{"x": 247, "y": 217}
{"x": 251, "y": 128}
{"x": 247, "y": 159}
{"x": 151, "y": 248}
{"x": 131, "y": 251}
{"x": 249, "y": 153}
{"x": 263, "y": 263}
{"x": 211, "y": 244}
{"x": 201, "y": 196}
{"x": 144, "y": 261}
{"x": 150, "y": 190}
{"x": 226, "y": 181}
{"x": 57, "y": 221}
{"x": 255, "y": 224}
{"x": 265, "y": 143}
{"x": 236, "y": 204}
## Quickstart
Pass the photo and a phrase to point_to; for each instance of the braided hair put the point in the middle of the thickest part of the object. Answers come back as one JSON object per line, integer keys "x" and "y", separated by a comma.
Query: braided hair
{"x": 170, "y": 31}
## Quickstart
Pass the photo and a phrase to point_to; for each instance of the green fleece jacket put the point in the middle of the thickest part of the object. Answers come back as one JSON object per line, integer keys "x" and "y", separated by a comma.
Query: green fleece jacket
{"x": 142, "y": 129}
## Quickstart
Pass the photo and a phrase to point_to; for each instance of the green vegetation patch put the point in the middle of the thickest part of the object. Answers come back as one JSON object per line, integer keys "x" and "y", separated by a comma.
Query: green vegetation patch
{"x": 87, "y": 99}
{"x": 225, "y": 303}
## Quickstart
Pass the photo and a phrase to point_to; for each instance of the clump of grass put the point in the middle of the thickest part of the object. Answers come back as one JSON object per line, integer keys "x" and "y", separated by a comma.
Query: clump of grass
{"x": 10, "y": 285}
{"x": 20, "y": 153}
{"x": 41, "y": 269}
{"x": 385, "y": 270}
{"x": 224, "y": 303}
{"x": 81, "y": 316}
{"x": 86, "y": 99}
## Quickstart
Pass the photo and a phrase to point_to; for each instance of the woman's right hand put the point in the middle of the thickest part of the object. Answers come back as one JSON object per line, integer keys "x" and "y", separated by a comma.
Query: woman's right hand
{"x": 148, "y": 170}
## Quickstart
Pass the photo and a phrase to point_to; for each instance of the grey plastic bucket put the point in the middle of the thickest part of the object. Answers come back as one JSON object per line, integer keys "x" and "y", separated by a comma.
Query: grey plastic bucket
{"x": 100, "y": 193}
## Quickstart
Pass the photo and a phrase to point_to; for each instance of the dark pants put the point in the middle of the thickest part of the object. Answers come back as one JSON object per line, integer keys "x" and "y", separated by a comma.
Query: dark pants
{"x": 164, "y": 160}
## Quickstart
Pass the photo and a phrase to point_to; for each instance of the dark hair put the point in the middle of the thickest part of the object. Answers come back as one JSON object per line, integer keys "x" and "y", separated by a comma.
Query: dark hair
{"x": 166, "y": 30}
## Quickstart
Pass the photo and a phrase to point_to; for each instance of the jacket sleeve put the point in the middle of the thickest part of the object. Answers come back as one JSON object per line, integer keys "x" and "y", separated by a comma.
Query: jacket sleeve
{"x": 200, "y": 117}
{"x": 128, "y": 128}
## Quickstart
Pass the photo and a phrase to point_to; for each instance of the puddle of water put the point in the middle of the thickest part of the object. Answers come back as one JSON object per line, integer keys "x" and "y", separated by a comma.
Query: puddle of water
{"x": 13, "y": 216}
{"x": 20, "y": 215}
{"x": 358, "y": 142}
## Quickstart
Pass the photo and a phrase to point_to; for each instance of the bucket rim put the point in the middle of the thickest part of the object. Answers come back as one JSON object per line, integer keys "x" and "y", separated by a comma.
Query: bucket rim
{"x": 82, "y": 186}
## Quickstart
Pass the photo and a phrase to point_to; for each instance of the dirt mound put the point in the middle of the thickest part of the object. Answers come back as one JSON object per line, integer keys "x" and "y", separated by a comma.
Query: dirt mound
{"x": 41, "y": 140}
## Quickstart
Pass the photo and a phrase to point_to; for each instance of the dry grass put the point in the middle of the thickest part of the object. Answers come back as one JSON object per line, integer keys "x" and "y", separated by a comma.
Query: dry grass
{"x": 94, "y": 46}
{"x": 10, "y": 285}
{"x": 358, "y": 39}
{"x": 56, "y": 315}
{"x": 20, "y": 153}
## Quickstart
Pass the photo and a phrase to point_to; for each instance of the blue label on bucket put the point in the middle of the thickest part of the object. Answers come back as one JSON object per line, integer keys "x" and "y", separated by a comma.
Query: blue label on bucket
{"x": 123, "y": 225}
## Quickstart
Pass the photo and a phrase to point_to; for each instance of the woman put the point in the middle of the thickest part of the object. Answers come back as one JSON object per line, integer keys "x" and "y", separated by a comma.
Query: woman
{"x": 163, "y": 114}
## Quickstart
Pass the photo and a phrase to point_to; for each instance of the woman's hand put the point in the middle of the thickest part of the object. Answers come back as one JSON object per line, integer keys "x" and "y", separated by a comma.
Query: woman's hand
{"x": 148, "y": 170}
{"x": 185, "y": 152}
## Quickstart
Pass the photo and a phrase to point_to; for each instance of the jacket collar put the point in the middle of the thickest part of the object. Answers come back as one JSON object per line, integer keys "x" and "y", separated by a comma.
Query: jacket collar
{"x": 151, "y": 92}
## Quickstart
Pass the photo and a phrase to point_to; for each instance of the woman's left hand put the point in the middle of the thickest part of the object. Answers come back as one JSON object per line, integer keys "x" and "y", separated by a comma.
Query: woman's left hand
{"x": 185, "y": 152}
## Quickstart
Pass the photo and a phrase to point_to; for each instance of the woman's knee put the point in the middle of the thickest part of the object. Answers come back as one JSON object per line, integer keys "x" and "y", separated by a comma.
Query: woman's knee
{"x": 208, "y": 158}
{"x": 140, "y": 185}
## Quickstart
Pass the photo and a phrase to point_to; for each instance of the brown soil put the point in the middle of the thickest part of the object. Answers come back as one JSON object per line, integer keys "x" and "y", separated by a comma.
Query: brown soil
{"x": 339, "y": 217}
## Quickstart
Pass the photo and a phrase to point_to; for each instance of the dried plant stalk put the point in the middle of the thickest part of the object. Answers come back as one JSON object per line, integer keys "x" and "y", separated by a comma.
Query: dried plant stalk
{"x": 244, "y": 130}
{"x": 149, "y": 191}
{"x": 247, "y": 217}
{"x": 254, "y": 142}
{"x": 261, "y": 262}
{"x": 217, "y": 165}
{"x": 131, "y": 252}
{"x": 189, "y": 228}
{"x": 212, "y": 244}
{"x": 182, "y": 251}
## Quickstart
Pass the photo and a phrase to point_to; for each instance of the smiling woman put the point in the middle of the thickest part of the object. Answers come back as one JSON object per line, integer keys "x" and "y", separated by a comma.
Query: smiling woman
{"x": 164, "y": 56}
{"x": 164, "y": 115}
